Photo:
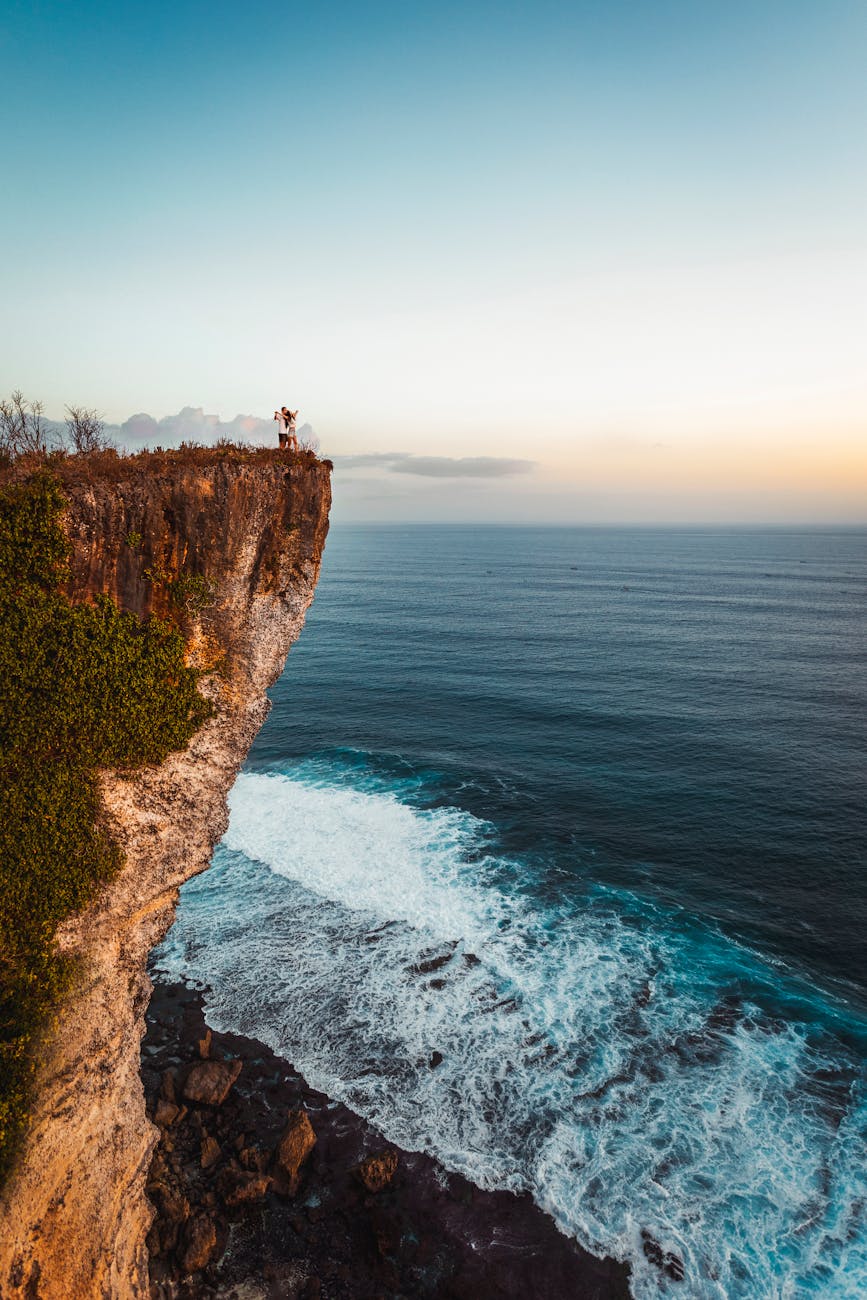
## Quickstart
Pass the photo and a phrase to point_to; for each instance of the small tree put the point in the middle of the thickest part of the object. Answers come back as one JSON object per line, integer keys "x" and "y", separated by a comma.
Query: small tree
{"x": 22, "y": 427}
{"x": 86, "y": 431}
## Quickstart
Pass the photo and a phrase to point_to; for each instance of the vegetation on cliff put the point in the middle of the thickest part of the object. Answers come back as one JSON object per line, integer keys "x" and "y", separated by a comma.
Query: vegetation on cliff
{"x": 81, "y": 687}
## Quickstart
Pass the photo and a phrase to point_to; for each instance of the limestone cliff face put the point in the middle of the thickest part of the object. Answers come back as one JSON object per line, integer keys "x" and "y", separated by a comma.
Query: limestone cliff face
{"x": 230, "y": 545}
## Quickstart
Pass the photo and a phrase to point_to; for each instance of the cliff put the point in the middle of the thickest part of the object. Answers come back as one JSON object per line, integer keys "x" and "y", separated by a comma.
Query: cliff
{"x": 228, "y": 544}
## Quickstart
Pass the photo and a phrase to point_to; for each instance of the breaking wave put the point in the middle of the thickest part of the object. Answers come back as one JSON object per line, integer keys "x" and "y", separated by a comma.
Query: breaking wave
{"x": 664, "y": 1094}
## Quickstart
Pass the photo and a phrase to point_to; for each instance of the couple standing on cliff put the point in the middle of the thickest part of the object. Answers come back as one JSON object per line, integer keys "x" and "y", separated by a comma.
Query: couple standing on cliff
{"x": 286, "y": 434}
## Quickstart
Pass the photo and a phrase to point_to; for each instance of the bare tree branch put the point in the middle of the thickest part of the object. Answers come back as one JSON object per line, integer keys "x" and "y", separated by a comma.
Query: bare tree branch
{"x": 22, "y": 427}
{"x": 86, "y": 430}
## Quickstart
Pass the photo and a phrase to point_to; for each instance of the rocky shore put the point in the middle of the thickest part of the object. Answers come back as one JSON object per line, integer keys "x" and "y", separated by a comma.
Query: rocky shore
{"x": 265, "y": 1188}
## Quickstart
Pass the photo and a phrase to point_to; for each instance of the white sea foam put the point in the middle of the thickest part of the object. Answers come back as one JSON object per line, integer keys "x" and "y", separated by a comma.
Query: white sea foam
{"x": 592, "y": 1052}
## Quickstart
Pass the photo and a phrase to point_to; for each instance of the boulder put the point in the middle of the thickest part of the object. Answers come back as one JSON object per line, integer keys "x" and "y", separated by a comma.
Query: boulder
{"x": 254, "y": 1158}
{"x": 173, "y": 1204}
{"x": 209, "y": 1082}
{"x": 166, "y": 1113}
{"x": 295, "y": 1145}
{"x": 376, "y": 1171}
{"x": 210, "y": 1151}
{"x": 204, "y": 1045}
{"x": 242, "y": 1188}
{"x": 199, "y": 1243}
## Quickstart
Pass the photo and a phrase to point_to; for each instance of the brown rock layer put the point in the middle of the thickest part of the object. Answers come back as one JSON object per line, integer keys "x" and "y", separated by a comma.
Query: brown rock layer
{"x": 229, "y": 545}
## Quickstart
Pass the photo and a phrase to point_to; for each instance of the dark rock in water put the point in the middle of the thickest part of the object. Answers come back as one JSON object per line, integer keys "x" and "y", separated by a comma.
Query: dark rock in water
{"x": 199, "y": 1243}
{"x": 430, "y": 964}
{"x": 665, "y": 1260}
{"x": 377, "y": 1171}
{"x": 210, "y": 1082}
{"x": 297, "y": 1142}
{"x": 436, "y": 1058}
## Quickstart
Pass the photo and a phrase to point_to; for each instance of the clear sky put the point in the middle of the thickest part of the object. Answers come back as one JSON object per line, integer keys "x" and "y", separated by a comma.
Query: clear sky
{"x": 626, "y": 242}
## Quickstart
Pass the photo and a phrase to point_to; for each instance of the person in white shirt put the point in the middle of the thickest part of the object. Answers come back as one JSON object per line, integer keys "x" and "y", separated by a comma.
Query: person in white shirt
{"x": 282, "y": 428}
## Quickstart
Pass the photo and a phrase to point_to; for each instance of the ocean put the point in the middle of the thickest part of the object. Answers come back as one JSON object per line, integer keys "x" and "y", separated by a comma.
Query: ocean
{"x": 550, "y": 861}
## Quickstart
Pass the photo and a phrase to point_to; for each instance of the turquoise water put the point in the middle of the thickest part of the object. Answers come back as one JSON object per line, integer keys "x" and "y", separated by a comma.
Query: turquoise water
{"x": 550, "y": 861}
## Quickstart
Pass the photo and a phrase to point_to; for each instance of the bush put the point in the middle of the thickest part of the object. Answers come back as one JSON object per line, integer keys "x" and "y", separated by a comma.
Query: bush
{"x": 83, "y": 687}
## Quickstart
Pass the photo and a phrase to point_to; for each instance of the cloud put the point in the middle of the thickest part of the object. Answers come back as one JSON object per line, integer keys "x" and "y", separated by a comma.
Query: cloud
{"x": 462, "y": 467}
{"x": 401, "y": 462}
{"x": 371, "y": 459}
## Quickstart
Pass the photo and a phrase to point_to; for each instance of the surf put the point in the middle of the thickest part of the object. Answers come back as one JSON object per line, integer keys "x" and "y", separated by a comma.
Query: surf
{"x": 665, "y": 1095}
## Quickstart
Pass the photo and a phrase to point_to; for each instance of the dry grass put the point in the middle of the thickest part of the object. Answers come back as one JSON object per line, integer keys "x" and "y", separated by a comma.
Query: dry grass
{"x": 112, "y": 465}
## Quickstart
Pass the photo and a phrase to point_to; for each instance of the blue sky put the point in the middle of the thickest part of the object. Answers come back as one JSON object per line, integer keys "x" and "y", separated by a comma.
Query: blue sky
{"x": 624, "y": 241}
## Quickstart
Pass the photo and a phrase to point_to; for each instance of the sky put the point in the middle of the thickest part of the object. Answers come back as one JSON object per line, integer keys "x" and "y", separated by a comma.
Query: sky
{"x": 585, "y": 262}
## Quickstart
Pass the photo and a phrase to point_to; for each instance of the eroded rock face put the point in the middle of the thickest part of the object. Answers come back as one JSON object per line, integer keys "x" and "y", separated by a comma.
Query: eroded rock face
{"x": 231, "y": 548}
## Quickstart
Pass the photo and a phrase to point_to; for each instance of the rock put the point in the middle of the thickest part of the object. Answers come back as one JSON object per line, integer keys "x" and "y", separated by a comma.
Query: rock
{"x": 204, "y": 1045}
{"x": 436, "y": 1058}
{"x": 210, "y": 1082}
{"x": 377, "y": 1170}
{"x": 665, "y": 1260}
{"x": 253, "y": 1158}
{"x": 295, "y": 1145}
{"x": 167, "y": 1086}
{"x": 241, "y": 1188}
{"x": 199, "y": 1243}
{"x": 166, "y": 1113}
{"x": 210, "y": 1151}
{"x": 174, "y": 1206}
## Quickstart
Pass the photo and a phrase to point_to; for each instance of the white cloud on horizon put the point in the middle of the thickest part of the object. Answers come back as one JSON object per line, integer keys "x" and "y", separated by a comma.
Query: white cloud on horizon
{"x": 404, "y": 462}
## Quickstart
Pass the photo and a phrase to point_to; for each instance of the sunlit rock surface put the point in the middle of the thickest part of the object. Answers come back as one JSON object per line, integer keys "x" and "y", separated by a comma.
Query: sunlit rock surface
{"x": 229, "y": 544}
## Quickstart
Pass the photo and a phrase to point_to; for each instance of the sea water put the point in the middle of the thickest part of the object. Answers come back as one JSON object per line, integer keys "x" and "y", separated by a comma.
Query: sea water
{"x": 550, "y": 861}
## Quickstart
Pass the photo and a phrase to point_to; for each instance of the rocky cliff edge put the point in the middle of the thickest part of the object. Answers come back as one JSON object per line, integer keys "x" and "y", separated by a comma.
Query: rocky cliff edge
{"x": 228, "y": 543}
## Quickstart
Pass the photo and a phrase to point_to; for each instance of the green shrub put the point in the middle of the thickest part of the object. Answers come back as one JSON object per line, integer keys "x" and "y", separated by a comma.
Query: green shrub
{"x": 81, "y": 687}
{"x": 192, "y": 592}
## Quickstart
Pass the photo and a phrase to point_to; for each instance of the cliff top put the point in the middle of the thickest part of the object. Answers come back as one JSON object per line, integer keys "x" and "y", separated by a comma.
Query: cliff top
{"x": 111, "y": 465}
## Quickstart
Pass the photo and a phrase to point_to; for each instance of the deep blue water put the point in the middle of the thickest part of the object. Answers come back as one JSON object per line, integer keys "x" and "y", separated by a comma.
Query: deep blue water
{"x": 585, "y": 813}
